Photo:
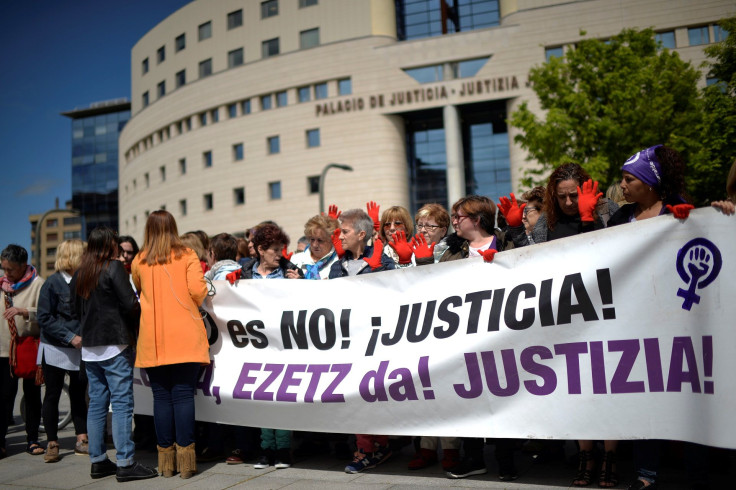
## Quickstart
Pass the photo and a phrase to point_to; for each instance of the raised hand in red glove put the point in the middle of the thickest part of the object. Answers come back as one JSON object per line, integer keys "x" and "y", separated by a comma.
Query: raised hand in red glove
{"x": 337, "y": 243}
{"x": 588, "y": 199}
{"x": 286, "y": 254}
{"x": 334, "y": 212}
{"x": 488, "y": 254}
{"x": 680, "y": 211}
{"x": 234, "y": 276}
{"x": 373, "y": 213}
{"x": 511, "y": 210}
{"x": 374, "y": 261}
{"x": 402, "y": 247}
{"x": 420, "y": 247}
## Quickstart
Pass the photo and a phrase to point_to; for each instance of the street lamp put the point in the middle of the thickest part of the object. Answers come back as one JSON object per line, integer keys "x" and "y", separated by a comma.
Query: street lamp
{"x": 322, "y": 181}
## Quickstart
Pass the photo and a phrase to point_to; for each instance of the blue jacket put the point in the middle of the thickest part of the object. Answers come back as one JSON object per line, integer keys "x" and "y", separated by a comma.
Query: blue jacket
{"x": 338, "y": 269}
{"x": 58, "y": 326}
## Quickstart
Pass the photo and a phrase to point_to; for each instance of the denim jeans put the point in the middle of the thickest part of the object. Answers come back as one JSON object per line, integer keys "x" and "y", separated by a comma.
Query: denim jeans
{"x": 173, "y": 387}
{"x": 111, "y": 381}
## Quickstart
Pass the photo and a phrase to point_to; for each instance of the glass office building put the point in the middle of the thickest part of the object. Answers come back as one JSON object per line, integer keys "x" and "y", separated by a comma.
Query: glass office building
{"x": 95, "y": 132}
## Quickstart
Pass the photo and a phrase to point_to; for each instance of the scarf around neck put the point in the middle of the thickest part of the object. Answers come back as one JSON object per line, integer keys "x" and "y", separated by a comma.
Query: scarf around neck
{"x": 14, "y": 287}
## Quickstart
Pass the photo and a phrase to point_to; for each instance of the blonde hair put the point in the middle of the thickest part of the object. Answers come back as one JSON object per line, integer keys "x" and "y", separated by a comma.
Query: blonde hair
{"x": 320, "y": 222}
{"x": 69, "y": 255}
{"x": 396, "y": 213}
{"x": 192, "y": 241}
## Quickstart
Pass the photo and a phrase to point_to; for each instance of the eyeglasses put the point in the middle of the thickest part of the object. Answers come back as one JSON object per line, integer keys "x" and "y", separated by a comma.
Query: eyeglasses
{"x": 530, "y": 208}
{"x": 395, "y": 223}
{"x": 458, "y": 217}
{"x": 427, "y": 227}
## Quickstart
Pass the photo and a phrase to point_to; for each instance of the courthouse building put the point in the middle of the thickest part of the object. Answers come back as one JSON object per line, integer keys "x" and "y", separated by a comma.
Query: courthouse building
{"x": 238, "y": 106}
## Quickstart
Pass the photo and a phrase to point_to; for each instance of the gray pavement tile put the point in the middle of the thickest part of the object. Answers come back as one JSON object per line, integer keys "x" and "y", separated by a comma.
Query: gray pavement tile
{"x": 260, "y": 483}
{"x": 323, "y": 485}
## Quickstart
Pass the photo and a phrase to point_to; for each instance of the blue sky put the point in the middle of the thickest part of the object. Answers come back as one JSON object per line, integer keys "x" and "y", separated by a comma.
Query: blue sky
{"x": 57, "y": 55}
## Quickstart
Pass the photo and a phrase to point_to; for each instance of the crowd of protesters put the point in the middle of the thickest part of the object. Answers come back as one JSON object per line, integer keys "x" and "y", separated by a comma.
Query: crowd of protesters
{"x": 110, "y": 307}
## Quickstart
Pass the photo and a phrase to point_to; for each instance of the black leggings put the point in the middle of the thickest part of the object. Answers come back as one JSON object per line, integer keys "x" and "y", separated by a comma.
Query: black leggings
{"x": 77, "y": 390}
{"x": 32, "y": 394}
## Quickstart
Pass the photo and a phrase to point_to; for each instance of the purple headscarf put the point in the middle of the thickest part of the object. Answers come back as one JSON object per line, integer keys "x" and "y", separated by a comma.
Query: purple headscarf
{"x": 645, "y": 166}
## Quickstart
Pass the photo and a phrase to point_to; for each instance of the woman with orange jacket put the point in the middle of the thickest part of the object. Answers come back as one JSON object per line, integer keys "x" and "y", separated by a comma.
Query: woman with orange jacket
{"x": 172, "y": 342}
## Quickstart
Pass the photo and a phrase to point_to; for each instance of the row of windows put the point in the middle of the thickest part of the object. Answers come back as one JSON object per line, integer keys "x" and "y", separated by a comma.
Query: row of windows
{"x": 241, "y": 108}
{"x": 235, "y": 58}
{"x": 273, "y": 147}
{"x": 697, "y": 36}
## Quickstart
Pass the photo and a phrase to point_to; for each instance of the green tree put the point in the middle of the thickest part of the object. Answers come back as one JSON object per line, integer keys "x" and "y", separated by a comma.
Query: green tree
{"x": 709, "y": 167}
{"x": 606, "y": 100}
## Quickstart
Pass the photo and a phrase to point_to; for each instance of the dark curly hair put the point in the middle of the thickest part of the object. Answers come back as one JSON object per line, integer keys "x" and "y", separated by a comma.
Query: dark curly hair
{"x": 266, "y": 235}
{"x": 672, "y": 188}
{"x": 567, "y": 171}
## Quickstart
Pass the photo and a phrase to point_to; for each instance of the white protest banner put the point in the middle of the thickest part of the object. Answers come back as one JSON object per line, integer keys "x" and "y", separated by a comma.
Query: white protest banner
{"x": 623, "y": 333}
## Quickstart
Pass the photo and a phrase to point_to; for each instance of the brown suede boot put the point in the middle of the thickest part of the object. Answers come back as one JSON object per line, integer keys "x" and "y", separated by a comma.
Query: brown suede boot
{"x": 186, "y": 460}
{"x": 166, "y": 461}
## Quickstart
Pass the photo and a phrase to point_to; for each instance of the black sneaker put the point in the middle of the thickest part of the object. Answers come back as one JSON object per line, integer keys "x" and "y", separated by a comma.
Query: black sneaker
{"x": 136, "y": 471}
{"x": 103, "y": 469}
{"x": 283, "y": 459}
{"x": 262, "y": 463}
{"x": 466, "y": 468}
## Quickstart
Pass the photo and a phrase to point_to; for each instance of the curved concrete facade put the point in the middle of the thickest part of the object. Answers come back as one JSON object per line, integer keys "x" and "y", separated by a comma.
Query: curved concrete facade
{"x": 365, "y": 129}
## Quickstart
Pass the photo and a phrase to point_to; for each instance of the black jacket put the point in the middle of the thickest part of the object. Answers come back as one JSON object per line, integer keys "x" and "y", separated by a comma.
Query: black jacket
{"x": 54, "y": 314}
{"x": 284, "y": 264}
{"x": 111, "y": 314}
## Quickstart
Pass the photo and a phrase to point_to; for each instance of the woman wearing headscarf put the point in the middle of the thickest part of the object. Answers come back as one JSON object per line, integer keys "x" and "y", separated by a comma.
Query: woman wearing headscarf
{"x": 172, "y": 344}
{"x": 60, "y": 351}
{"x": 21, "y": 287}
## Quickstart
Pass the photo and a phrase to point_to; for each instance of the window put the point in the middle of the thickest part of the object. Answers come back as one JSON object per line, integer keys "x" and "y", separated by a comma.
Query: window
{"x": 309, "y": 38}
{"x": 52, "y": 223}
{"x": 344, "y": 86}
{"x": 215, "y": 115}
{"x": 281, "y": 99}
{"x": 179, "y": 127}
{"x": 269, "y": 8}
{"x": 266, "y": 102}
{"x": 51, "y": 252}
{"x": 161, "y": 88}
{"x": 207, "y": 202}
{"x": 181, "y": 78}
{"x": 320, "y": 91}
{"x": 312, "y": 138}
{"x": 180, "y": 42}
{"x": 698, "y": 35}
{"x": 313, "y": 184}
{"x": 147, "y": 179}
{"x": 72, "y": 221}
{"x": 69, "y": 235}
{"x": 235, "y": 58}
{"x": 205, "y": 68}
{"x": 550, "y": 53}
{"x": 161, "y": 54}
{"x": 144, "y": 66}
{"x": 144, "y": 99}
{"x": 666, "y": 38}
{"x": 421, "y": 18}
{"x": 183, "y": 207}
{"x": 303, "y": 93}
{"x": 207, "y": 159}
{"x": 205, "y": 31}
{"x": 270, "y": 48}
{"x": 162, "y": 172}
{"x": 202, "y": 119}
{"x": 274, "y": 145}
{"x": 232, "y": 111}
{"x": 239, "y": 195}
{"x": 235, "y": 19}
{"x": 719, "y": 34}
{"x": 245, "y": 107}
{"x": 182, "y": 166}
{"x": 307, "y": 3}
{"x": 274, "y": 190}
{"x": 52, "y": 237}
{"x": 188, "y": 123}
{"x": 238, "y": 151}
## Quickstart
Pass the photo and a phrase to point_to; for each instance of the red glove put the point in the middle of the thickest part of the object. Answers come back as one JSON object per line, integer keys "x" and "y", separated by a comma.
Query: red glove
{"x": 285, "y": 253}
{"x": 334, "y": 212}
{"x": 420, "y": 247}
{"x": 588, "y": 199}
{"x": 488, "y": 254}
{"x": 337, "y": 243}
{"x": 511, "y": 210}
{"x": 234, "y": 276}
{"x": 402, "y": 247}
{"x": 373, "y": 213}
{"x": 375, "y": 260}
{"x": 680, "y": 211}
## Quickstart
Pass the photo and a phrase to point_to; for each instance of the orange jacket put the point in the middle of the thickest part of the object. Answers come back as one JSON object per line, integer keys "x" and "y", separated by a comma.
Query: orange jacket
{"x": 172, "y": 330}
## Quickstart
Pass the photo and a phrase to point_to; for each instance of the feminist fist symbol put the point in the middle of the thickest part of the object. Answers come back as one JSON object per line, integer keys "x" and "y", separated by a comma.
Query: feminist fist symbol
{"x": 698, "y": 264}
